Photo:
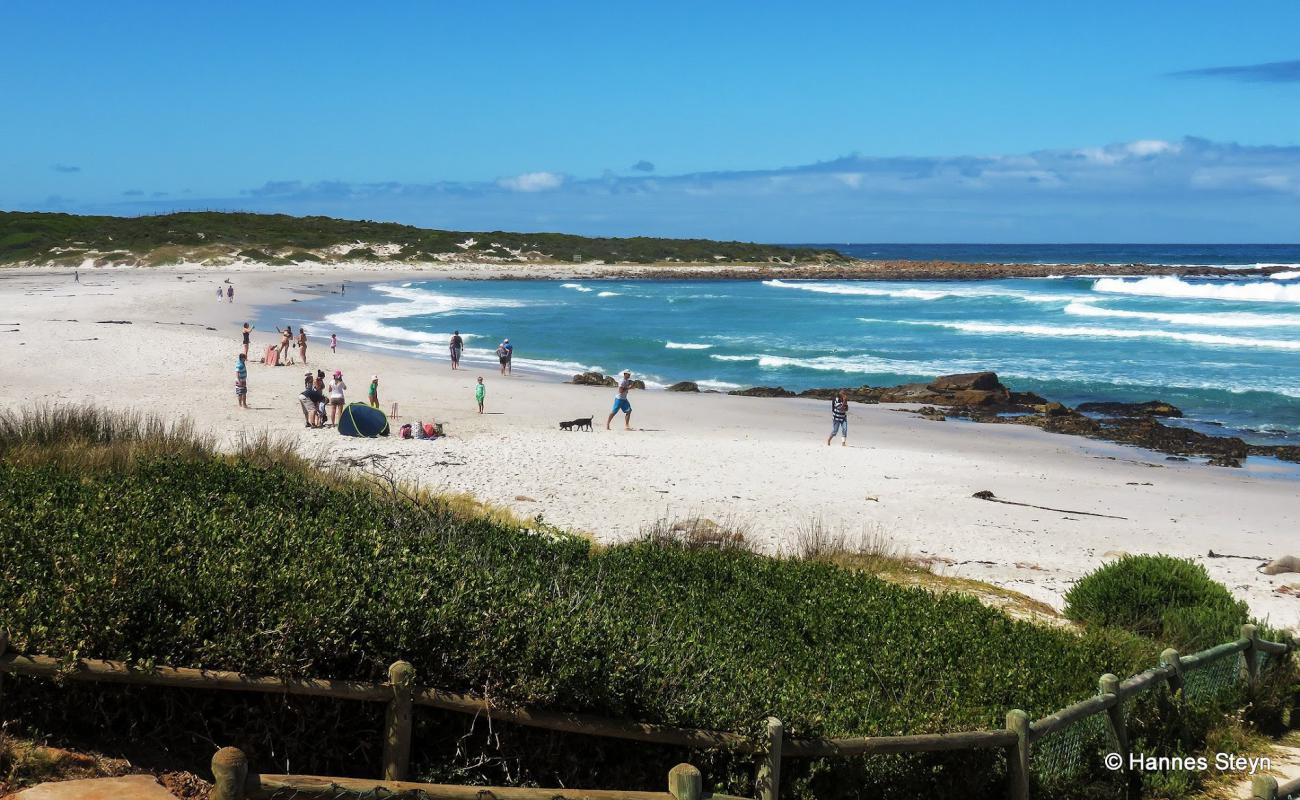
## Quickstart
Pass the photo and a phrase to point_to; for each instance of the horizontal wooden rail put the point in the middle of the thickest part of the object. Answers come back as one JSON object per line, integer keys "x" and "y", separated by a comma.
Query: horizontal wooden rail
{"x": 1290, "y": 788}
{"x": 586, "y": 723}
{"x": 1070, "y": 715}
{"x": 919, "y": 743}
{"x": 89, "y": 669}
{"x": 1142, "y": 681}
{"x": 312, "y": 786}
{"x": 1272, "y": 648}
{"x": 1206, "y": 657}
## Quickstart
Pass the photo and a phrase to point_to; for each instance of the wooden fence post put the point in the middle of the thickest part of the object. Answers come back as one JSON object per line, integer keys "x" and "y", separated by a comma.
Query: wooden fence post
{"x": 1251, "y": 654}
{"x": 397, "y": 723}
{"x": 1109, "y": 684}
{"x": 4, "y": 648}
{"x": 1018, "y": 756}
{"x": 1263, "y": 787}
{"x": 767, "y": 783}
{"x": 229, "y": 774}
{"x": 685, "y": 782}
{"x": 1170, "y": 658}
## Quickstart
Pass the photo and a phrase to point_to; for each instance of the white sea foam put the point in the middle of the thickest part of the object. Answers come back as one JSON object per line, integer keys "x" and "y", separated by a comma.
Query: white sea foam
{"x": 577, "y": 286}
{"x": 1224, "y": 319}
{"x": 1057, "y": 332}
{"x": 686, "y": 346}
{"x": 607, "y": 294}
{"x": 912, "y": 293}
{"x": 1171, "y": 286}
{"x": 1285, "y": 276}
{"x": 369, "y": 320}
{"x": 717, "y": 386}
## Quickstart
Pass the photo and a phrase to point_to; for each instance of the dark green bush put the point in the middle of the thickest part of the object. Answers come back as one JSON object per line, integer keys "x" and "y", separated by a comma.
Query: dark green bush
{"x": 1172, "y": 600}
{"x": 226, "y": 564}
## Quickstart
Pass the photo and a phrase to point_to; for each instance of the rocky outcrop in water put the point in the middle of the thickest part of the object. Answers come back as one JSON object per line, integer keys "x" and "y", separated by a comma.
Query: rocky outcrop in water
{"x": 684, "y": 386}
{"x": 594, "y": 379}
{"x": 763, "y": 391}
{"x": 1151, "y": 408}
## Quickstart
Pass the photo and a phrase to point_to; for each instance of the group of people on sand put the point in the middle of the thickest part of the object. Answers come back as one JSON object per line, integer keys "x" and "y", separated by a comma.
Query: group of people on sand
{"x": 320, "y": 401}
{"x": 228, "y": 293}
{"x": 505, "y": 353}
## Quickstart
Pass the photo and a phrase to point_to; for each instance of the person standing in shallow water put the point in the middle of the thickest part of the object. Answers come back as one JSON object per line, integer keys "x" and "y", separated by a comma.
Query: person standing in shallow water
{"x": 839, "y": 418}
{"x": 457, "y": 346}
{"x": 621, "y": 403}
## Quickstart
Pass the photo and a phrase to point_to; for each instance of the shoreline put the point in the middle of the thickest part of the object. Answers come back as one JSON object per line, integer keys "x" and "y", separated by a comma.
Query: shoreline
{"x": 851, "y": 269}
{"x": 761, "y": 465}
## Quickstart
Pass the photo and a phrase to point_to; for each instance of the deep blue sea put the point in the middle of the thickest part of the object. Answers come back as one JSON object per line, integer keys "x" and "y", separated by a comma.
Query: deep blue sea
{"x": 1222, "y": 255}
{"x": 1227, "y": 351}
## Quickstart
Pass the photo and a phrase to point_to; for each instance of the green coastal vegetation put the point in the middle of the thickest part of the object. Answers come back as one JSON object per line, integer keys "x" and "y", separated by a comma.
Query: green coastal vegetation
{"x": 42, "y": 238}
{"x": 129, "y": 539}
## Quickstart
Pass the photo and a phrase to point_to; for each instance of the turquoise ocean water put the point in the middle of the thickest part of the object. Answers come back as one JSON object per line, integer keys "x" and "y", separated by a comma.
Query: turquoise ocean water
{"x": 1226, "y": 351}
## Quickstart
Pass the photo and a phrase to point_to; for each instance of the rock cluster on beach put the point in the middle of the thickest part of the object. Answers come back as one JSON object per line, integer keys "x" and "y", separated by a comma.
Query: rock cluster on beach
{"x": 592, "y": 378}
{"x": 981, "y": 397}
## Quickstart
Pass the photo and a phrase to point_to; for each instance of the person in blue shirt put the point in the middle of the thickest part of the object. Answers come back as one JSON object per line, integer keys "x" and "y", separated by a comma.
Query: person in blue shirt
{"x": 241, "y": 380}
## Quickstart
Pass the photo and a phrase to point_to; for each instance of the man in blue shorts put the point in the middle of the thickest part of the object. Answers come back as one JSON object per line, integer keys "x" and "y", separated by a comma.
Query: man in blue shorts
{"x": 621, "y": 403}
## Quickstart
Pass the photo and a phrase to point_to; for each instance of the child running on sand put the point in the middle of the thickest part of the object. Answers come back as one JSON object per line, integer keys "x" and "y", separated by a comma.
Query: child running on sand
{"x": 374, "y": 391}
{"x": 334, "y": 342}
{"x": 480, "y": 392}
{"x": 840, "y": 419}
{"x": 241, "y": 380}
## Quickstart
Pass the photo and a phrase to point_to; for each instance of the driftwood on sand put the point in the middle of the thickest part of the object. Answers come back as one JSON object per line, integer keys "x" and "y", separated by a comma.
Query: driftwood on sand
{"x": 985, "y": 494}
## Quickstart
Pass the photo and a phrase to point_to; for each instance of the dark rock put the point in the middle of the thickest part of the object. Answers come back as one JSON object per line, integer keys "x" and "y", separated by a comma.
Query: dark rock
{"x": 638, "y": 384}
{"x": 861, "y": 394}
{"x": 1225, "y": 461}
{"x": 763, "y": 391}
{"x": 914, "y": 393}
{"x": 977, "y": 397}
{"x": 1151, "y": 434}
{"x": 1175, "y": 458}
{"x": 1284, "y": 452}
{"x": 1151, "y": 408}
{"x": 593, "y": 379}
{"x": 983, "y": 381}
{"x": 684, "y": 386}
{"x": 1054, "y": 409}
{"x": 931, "y": 413}
{"x": 1025, "y": 399}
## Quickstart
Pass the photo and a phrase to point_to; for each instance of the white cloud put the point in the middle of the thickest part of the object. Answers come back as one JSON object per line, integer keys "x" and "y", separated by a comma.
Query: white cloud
{"x": 532, "y": 182}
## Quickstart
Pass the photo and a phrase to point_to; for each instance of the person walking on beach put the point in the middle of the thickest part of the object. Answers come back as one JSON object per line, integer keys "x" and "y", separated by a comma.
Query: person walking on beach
{"x": 302, "y": 344}
{"x": 241, "y": 380}
{"x": 334, "y": 342}
{"x": 230, "y": 294}
{"x": 220, "y": 294}
{"x": 457, "y": 346}
{"x": 839, "y": 418}
{"x": 76, "y": 276}
{"x": 337, "y": 388}
{"x": 247, "y": 330}
{"x": 374, "y": 391}
{"x": 480, "y": 392}
{"x": 505, "y": 352}
{"x": 621, "y": 403}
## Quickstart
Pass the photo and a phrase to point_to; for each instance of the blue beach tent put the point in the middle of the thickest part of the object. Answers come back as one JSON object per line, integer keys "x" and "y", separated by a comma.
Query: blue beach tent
{"x": 359, "y": 419}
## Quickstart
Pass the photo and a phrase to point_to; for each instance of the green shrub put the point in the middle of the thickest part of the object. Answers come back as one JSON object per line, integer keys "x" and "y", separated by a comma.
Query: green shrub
{"x": 1172, "y": 600}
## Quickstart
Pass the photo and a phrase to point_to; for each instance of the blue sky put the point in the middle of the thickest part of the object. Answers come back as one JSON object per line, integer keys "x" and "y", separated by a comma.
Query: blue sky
{"x": 843, "y": 121}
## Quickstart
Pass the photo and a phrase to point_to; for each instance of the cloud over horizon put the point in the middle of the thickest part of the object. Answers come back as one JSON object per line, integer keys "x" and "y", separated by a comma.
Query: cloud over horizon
{"x": 1142, "y": 190}
{"x": 1269, "y": 72}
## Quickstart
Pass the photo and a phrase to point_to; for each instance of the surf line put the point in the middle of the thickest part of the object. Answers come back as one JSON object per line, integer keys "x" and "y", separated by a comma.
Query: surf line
{"x": 987, "y": 495}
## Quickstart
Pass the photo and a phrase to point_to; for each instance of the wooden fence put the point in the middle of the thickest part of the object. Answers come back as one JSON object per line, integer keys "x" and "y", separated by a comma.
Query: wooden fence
{"x": 400, "y": 694}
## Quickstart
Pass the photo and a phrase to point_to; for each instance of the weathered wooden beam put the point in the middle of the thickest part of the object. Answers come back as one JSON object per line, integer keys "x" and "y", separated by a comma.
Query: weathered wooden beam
{"x": 229, "y": 774}
{"x": 767, "y": 783}
{"x": 1018, "y": 756}
{"x": 397, "y": 722}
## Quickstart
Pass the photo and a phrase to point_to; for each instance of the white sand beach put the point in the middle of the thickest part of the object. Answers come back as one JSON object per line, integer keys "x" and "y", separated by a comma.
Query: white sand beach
{"x": 760, "y": 463}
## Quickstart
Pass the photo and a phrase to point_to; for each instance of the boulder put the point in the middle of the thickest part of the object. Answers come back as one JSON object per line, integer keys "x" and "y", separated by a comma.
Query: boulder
{"x": 1151, "y": 408}
{"x": 1053, "y": 409}
{"x": 594, "y": 379}
{"x": 763, "y": 391}
{"x": 931, "y": 413}
{"x": 1224, "y": 461}
{"x": 914, "y": 393}
{"x": 981, "y": 381}
{"x": 638, "y": 384}
{"x": 977, "y": 397}
{"x": 684, "y": 386}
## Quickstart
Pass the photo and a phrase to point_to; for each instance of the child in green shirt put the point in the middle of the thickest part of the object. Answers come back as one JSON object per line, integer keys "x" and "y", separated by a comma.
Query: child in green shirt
{"x": 480, "y": 391}
{"x": 374, "y": 391}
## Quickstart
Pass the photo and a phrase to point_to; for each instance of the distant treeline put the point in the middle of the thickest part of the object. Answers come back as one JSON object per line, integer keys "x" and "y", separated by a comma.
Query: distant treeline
{"x": 276, "y": 238}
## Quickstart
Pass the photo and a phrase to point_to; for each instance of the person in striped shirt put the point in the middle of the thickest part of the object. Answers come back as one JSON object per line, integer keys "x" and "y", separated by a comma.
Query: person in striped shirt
{"x": 241, "y": 380}
{"x": 839, "y": 418}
